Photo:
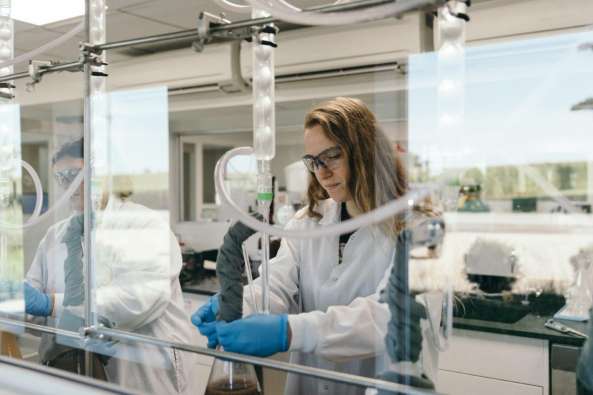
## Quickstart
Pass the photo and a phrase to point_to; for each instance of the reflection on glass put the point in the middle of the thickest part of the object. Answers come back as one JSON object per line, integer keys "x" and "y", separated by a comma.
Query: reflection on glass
{"x": 11, "y": 213}
{"x": 54, "y": 281}
{"x": 329, "y": 286}
{"x": 515, "y": 178}
{"x": 521, "y": 138}
{"x": 136, "y": 259}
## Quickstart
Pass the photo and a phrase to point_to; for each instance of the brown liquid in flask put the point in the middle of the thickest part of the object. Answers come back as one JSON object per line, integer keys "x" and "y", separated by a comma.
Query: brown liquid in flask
{"x": 232, "y": 378}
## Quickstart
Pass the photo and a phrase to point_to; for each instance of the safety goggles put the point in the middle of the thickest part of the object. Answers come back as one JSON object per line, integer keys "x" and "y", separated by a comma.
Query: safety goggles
{"x": 66, "y": 176}
{"x": 330, "y": 159}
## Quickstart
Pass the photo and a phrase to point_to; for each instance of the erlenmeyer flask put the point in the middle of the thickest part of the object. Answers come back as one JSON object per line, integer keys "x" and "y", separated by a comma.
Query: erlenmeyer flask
{"x": 236, "y": 378}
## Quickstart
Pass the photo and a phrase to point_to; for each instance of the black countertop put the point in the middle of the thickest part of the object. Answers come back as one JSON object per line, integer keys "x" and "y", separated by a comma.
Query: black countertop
{"x": 531, "y": 326}
{"x": 206, "y": 286}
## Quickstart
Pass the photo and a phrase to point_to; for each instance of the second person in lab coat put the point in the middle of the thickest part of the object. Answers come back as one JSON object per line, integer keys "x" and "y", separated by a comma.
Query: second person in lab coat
{"x": 137, "y": 261}
{"x": 324, "y": 291}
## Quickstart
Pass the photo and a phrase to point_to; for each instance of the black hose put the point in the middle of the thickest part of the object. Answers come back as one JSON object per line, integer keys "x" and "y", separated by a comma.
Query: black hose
{"x": 229, "y": 269}
{"x": 404, "y": 333}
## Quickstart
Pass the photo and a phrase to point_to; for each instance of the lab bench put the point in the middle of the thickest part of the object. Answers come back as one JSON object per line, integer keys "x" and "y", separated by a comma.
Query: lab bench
{"x": 524, "y": 357}
{"x": 492, "y": 358}
{"x": 205, "y": 286}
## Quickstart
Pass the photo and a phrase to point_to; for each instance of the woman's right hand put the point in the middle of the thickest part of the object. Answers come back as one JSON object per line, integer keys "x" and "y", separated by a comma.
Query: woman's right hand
{"x": 205, "y": 320}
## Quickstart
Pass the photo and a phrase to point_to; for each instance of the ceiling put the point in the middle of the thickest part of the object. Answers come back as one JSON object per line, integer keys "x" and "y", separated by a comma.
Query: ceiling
{"x": 125, "y": 19}
{"x": 138, "y": 18}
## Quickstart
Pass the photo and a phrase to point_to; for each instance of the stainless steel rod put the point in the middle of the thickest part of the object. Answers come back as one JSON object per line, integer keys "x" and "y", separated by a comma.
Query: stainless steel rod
{"x": 339, "y": 377}
{"x": 63, "y": 67}
{"x": 192, "y": 33}
{"x": 15, "y": 76}
{"x": 88, "y": 203}
{"x": 50, "y": 69}
{"x": 41, "y": 328}
{"x": 61, "y": 374}
{"x": 359, "y": 381}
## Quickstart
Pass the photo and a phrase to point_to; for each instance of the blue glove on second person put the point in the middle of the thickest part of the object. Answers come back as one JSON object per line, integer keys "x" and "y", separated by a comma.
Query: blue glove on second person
{"x": 260, "y": 335}
{"x": 36, "y": 302}
{"x": 205, "y": 320}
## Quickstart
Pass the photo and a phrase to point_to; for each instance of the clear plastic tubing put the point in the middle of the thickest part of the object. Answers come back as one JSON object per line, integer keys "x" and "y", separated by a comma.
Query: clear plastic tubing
{"x": 264, "y": 203}
{"x": 6, "y": 43}
{"x": 289, "y": 13}
{"x": 38, "y": 190}
{"x": 375, "y": 216}
{"x": 97, "y": 35}
{"x": 450, "y": 30}
{"x": 44, "y": 48}
{"x": 264, "y": 114}
{"x": 264, "y": 135}
{"x": 233, "y": 7}
{"x": 36, "y": 219}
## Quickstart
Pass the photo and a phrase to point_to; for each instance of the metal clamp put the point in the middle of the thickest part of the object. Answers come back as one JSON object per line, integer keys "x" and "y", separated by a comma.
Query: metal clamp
{"x": 90, "y": 331}
{"x": 270, "y": 30}
{"x": 205, "y": 21}
{"x": 91, "y": 52}
{"x": 36, "y": 70}
{"x": 458, "y": 8}
{"x": 6, "y": 90}
{"x": 91, "y": 55}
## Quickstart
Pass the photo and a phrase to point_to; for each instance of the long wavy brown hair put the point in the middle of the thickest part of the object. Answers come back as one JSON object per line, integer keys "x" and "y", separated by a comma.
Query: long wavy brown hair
{"x": 376, "y": 173}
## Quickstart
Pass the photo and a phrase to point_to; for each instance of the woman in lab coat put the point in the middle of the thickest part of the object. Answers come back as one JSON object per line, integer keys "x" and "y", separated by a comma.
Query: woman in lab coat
{"x": 137, "y": 262}
{"x": 325, "y": 291}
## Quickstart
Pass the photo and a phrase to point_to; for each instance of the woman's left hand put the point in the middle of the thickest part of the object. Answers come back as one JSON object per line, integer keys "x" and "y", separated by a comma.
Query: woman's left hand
{"x": 260, "y": 335}
{"x": 205, "y": 320}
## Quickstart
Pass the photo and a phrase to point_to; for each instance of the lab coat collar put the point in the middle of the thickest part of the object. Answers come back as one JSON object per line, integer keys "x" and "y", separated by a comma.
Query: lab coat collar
{"x": 330, "y": 209}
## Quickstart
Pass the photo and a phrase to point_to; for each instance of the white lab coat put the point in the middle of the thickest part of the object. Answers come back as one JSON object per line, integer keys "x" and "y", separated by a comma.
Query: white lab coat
{"x": 137, "y": 263}
{"x": 338, "y": 324}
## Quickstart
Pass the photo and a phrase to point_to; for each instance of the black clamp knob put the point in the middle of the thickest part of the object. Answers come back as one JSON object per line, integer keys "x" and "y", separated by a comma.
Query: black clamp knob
{"x": 267, "y": 29}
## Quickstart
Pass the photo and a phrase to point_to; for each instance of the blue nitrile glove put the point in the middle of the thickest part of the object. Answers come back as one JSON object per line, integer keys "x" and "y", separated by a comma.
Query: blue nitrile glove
{"x": 205, "y": 319}
{"x": 36, "y": 302}
{"x": 260, "y": 335}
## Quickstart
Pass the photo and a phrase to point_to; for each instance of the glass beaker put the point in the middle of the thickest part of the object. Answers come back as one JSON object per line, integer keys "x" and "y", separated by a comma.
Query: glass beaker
{"x": 237, "y": 378}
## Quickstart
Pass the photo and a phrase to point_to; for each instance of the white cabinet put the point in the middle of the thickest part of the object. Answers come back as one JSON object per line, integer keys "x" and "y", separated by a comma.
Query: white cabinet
{"x": 486, "y": 363}
{"x": 467, "y": 384}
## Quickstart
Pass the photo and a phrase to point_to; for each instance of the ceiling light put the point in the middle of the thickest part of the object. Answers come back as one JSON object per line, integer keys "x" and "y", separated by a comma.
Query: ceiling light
{"x": 43, "y": 12}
